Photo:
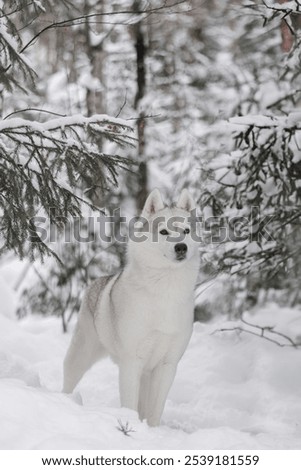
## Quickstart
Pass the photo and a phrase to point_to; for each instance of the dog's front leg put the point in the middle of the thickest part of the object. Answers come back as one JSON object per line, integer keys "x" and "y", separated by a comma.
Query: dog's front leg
{"x": 162, "y": 379}
{"x": 129, "y": 383}
{"x": 144, "y": 394}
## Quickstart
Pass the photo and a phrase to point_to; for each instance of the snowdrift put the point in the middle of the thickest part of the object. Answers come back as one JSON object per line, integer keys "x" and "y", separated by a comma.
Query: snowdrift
{"x": 232, "y": 391}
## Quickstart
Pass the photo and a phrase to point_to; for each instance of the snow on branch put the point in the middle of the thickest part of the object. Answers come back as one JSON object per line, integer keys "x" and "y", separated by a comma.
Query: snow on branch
{"x": 293, "y": 120}
{"x": 285, "y": 7}
{"x": 113, "y": 129}
{"x": 270, "y": 9}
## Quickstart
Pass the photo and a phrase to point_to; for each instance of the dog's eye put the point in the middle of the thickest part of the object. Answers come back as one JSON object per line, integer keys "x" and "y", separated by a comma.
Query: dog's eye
{"x": 164, "y": 232}
{"x": 186, "y": 231}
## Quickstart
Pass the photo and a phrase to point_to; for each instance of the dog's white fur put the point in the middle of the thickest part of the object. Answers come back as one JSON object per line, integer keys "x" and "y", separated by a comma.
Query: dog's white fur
{"x": 143, "y": 316}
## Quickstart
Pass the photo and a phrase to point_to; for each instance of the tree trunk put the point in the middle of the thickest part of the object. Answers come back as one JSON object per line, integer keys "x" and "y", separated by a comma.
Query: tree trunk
{"x": 140, "y": 47}
{"x": 286, "y": 34}
{"x": 95, "y": 100}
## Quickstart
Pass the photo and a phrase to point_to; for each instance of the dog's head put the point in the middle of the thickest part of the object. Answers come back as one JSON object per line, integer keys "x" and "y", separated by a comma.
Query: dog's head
{"x": 166, "y": 235}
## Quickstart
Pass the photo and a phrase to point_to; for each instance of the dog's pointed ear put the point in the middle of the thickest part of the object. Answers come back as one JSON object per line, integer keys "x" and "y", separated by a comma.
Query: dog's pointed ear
{"x": 185, "y": 201}
{"x": 152, "y": 204}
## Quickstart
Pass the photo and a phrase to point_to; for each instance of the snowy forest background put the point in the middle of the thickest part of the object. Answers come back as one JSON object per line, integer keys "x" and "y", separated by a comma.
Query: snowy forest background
{"x": 101, "y": 101}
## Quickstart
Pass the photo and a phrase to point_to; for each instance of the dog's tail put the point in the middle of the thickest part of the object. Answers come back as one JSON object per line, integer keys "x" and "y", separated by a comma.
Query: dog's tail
{"x": 85, "y": 348}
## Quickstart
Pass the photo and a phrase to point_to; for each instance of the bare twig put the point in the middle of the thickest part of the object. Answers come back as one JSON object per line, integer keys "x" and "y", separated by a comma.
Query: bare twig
{"x": 122, "y": 106}
{"x": 75, "y": 20}
{"x": 270, "y": 329}
{"x": 288, "y": 96}
{"x": 261, "y": 333}
{"x": 124, "y": 428}
{"x": 33, "y": 109}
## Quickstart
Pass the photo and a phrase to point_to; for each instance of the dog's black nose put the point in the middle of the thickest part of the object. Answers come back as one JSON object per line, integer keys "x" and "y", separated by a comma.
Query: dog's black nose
{"x": 181, "y": 250}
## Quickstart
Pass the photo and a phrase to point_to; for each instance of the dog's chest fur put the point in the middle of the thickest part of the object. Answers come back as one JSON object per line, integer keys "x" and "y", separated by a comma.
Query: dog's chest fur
{"x": 148, "y": 318}
{"x": 157, "y": 302}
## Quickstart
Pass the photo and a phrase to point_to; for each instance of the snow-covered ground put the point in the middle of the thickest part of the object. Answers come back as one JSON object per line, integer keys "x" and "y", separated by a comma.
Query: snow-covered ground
{"x": 232, "y": 391}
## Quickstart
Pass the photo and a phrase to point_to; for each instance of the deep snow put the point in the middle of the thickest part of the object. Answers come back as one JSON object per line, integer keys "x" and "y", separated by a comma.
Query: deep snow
{"x": 232, "y": 391}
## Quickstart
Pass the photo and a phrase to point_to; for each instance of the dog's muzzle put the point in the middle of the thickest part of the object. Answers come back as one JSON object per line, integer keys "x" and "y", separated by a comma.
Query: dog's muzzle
{"x": 181, "y": 250}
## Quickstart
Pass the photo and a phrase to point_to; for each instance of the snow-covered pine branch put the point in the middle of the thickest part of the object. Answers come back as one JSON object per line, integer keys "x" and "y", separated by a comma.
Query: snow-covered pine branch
{"x": 42, "y": 165}
{"x": 261, "y": 182}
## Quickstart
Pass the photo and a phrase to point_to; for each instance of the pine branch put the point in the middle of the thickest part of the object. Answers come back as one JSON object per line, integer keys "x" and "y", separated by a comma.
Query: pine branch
{"x": 41, "y": 165}
{"x": 12, "y": 59}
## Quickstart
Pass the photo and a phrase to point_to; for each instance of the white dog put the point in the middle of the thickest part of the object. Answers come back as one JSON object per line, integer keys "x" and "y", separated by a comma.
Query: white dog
{"x": 143, "y": 316}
